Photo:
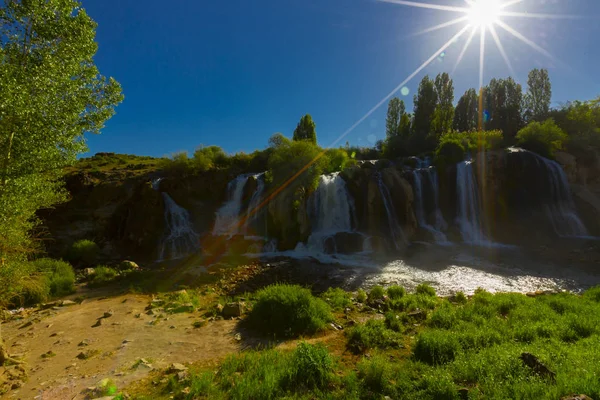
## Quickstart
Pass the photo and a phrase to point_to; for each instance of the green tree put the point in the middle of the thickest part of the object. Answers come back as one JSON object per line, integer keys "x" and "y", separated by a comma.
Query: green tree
{"x": 544, "y": 138}
{"x": 503, "y": 99}
{"x": 538, "y": 96}
{"x": 306, "y": 130}
{"x": 425, "y": 103}
{"x": 51, "y": 94}
{"x": 444, "y": 110}
{"x": 396, "y": 110}
{"x": 465, "y": 114}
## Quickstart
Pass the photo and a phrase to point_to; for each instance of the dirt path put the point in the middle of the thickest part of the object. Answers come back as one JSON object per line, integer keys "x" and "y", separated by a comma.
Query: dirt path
{"x": 115, "y": 346}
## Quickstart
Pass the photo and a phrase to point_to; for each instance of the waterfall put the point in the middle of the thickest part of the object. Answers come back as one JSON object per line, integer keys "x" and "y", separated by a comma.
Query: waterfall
{"x": 560, "y": 208}
{"x": 180, "y": 239}
{"x": 469, "y": 208}
{"x": 252, "y": 213}
{"x": 227, "y": 221}
{"x": 395, "y": 228}
{"x": 331, "y": 209}
{"x": 435, "y": 231}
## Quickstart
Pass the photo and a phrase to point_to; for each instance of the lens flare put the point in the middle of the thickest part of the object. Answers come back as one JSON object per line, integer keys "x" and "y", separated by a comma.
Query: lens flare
{"x": 484, "y": 13}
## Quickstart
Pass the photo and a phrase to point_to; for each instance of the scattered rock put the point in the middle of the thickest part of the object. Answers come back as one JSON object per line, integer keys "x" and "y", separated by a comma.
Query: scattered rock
{"x": 108, "y": 314}
{"x": 150, "y": 312}
{"x": 176, "y": 367}
{"x": 127, "y": 341}
{"x": 56, "y": 334}
{"x": 48, "y": 354}
{"x": 220, "y": 308}
{"x": 238, "y": 337}
{"x": 137, "y": 315}
{"x": 172, "y": 327}
{"x": 233, "y": 310}
{"x": 537, "y": 366}
{"x": 88, "y": 272}
{"x": 86, "y": 355}
{"x": 26, "y": 325}
{"x": 128, "y": 265}
{"x": 576, "y": 397}
{"x": 84, "y": 342}
{"x": 419, "y": 315}
{"x": 67, "y": 303}
{"x": 98, "y": 323}
{"x": 336, "y": 326}
{"x": 182, "y": 376}
{"x": 49, "y": 325}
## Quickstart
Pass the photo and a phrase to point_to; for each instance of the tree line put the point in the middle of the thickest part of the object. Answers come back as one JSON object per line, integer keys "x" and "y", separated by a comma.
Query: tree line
{"x": 505, "y": 108}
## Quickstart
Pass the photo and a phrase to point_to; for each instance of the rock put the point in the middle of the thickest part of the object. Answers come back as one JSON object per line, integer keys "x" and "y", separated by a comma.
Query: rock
{"x": 108, "y": 314}
{"x": 98, "y": 323}
{"x": 219, "y": 308}
{"x": 67, "y": 303}
{"x": 419, "y": 315}
{"x": 150, "y": 312}
{"x": 86, "y": 355}
{"x": 26, "y": 325}
{"x": 56, "y": 334}
{"x": 176, "y": 367}
{"x": 128, "y": 266}
{"x": 182, "y": 376}
{"x": 238, "y": 337}
{"x": 233, "y": 310}
{"x": 537, "y": 366}
{"x": 88, "y": 272}
{"x": 576, "y": 397}
{"x": 84, "y": 342}
{"x": 336, "y": 327}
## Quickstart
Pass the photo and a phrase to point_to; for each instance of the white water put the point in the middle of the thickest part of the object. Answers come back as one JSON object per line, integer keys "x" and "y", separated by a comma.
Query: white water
{"x": 395, "y": 228}
{"x": 437, "y": 234}
{"x": 227, "y": 221}
{"x": 180, "y": 239}
{"x": 561, "y": 209}
{"x": 252, "y": 213}
{"x": 469, "y": 207}
{"x": 332, "y": 210}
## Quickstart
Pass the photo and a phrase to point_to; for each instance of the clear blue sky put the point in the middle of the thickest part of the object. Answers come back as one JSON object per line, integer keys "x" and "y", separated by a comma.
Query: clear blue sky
{"x": 232, "y": 73}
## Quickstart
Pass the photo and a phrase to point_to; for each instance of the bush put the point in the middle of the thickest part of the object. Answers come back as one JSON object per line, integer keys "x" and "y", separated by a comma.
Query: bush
{"x": 450, "y": 151}
{"x": 60, "y": 275}
{"x": 83, "y": 252}
{"x": 337, "y": 298}
{"x": 395, "y": 292}
{"x": 377, "y": 374}
{"x": 376, "y": 293}
{"x": 288, "y": 310}
{"x": 436, "y": 347}
{"x": 103, "y": 275}
{"x": 312, "y": 367}
{"x": 543, "y": 138}
{"x": 454, "y": 146}
{"x": 426, "y": 290}
{"x": 35, "y": 290}
{"x": 373, "y": 334}
{"x": 361, "y": 296}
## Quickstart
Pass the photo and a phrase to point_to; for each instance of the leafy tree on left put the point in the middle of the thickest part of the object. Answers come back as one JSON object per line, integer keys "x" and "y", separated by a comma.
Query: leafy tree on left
{"x": 51, "y": 94}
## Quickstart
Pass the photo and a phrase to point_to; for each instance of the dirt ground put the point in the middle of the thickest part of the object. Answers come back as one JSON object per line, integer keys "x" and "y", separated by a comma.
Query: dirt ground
{"x": 114, "y": 347}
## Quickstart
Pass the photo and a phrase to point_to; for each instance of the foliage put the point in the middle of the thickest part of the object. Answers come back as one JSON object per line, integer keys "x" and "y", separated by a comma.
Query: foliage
{"x": 312, "y": 366}
{"x": 337, "y": 298}
{"x": 376, "y": 293}
{"x": 288, "y": 310}
{"x": 503, "y": 99}
{"x": 103, "y": 275}
{"x": 395, "y": 292}
{"x": 539, "y": 95}
{"x": 581, "y": 122}
{"x": 466, "y": 113}
{"x": 444, "y": 110}
{"x": 372, "y": 334}
{"x": 83, "y": 252}
{"x": 425, "y": 289}
{"x": 306, "y": 130}
{"x": 454, "y": 146}
{"x": 450, "y": 151}
{"x": 396, "y": 120}
{"x": 543, "y": 138}
{"x": 59, "y": 274}
{"x": 425, "y": 102}
{"x": 361, "y": 296}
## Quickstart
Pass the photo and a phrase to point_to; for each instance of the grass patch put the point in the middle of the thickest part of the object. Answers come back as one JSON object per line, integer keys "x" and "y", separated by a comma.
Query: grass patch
{"x": 103, "y": 275}
{"x": 288, "y": 311}
{"x": 83, "y": 252}
{"x": 338, "y": 299}
{"x": 372, "y": 334}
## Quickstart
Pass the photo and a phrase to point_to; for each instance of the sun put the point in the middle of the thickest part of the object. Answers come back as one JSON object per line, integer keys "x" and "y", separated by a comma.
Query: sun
{"x": 484, "y": 13}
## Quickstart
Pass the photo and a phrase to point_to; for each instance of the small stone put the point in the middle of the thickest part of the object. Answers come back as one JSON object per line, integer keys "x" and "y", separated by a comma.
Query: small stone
{"x": 66, "y": 303}
{"x": 576, "y": 397}
{"x": 98, "y": 323}
{"x": 233, "y": 310}
{"x": 238, "y": 337}
{"x": 26, "y": 325}
{"x": 150, "y": 312}
{"x": 176, "y": 367}
{"x": 182, "y": 376}
{"x": 127, "y": 341}
{"x": 56, "y": 334}
{"x": 84, "y": 342}
{"x": 108, "y": 314}
{"x": 49, "y": 325}
{"x": 172, "y": 327}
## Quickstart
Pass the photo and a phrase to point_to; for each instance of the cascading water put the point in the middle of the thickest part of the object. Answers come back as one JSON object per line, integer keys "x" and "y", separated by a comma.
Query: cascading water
{"x": 180, "y": 239}
{"x": 252, "y": 213}
{"x": 469, "y": 208}
{"x": 431, "y": 178}
{"x": 395, "y": 229}
{"x": 560, "y": 208}
{"x": 332, "y": 211}
{"x": 227, "y": 221}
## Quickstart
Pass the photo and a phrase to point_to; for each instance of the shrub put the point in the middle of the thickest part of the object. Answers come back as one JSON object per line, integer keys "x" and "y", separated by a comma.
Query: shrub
{"x": 83, "y": 252}
{"x": 372, "y": 334}
{"x": 35, "y": 289}
{"x": 103, "y": 275}
{"x": 394, "y": 322}
{"x": 460, "y": 298}
{"x": 450, "y": 151}
{"x": 395, "y": 292}
{"x": 436, "y": 347}
{"x": 361, "y": 296}
{"x": 376, "y": 293}
{"x": 288, "y": 310}
{"x": 426, "y": 290}
{"x": 377, "y": 374}
{"x": 337, "y": 298}
{"x": 593, "y": 294}
{"x": 543, "y": 138}
{"x": 312, "y": 366}
{"x": 177, "y": 164}
{"x": 60, "y": 275}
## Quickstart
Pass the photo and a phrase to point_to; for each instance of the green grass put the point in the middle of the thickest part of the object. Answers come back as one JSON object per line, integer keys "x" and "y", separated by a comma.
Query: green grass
{"x": 103, "y": 275}
{"x": 288, "y": 311}
{"x": 470, "y": 344}
{"x": 60, "y": 275}
{"x": 338, "y": 299}
{"x": 83, "y": 252}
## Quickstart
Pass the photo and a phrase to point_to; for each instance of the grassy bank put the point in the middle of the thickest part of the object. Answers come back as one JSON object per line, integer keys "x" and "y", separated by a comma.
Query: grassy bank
{"x": 488, "y": 346}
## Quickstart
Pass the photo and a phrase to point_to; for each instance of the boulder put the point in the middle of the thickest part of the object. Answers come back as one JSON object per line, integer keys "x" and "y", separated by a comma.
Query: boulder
{"x": 128, "y": 266}
{"x": 176, "y": 368}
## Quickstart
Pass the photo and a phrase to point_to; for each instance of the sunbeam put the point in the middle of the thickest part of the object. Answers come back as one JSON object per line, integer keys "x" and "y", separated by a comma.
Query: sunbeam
{"x": 465, "y": 48}
{"x": 481, "y": 56}
{"x": 427, "y": 5}
{"x": 501, "y": 49}
{"x": 443, "y": 25}
{"x": 538, "y": 15}
{"x": 531, "y": 43}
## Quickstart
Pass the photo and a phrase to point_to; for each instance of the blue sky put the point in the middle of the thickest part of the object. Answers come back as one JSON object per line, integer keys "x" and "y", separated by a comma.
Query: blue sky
{"x": 232, "y": 73}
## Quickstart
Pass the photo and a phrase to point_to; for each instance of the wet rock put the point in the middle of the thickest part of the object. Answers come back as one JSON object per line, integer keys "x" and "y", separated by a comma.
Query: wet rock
{"x": 537, "y": 366}
{"x": 233, "y": 310}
